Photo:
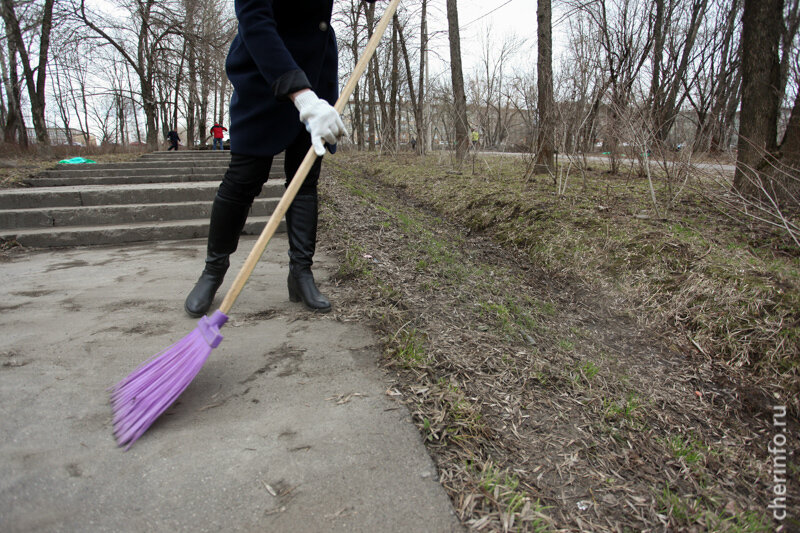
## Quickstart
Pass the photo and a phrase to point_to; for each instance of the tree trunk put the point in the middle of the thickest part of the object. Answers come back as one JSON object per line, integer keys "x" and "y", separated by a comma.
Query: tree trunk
{"x": 457, "y": 75}
{"x": 656, "y": 91}
{"x": 173, "y": 123}
{"x": 120, "y": 111}
{"x": 758, "y": 123}
{"x": 85, "y": 108}
{"x": 423, "y": 139}
{"x": 545, "y": 144}
{"x": 790, "y": 146}
{"x": 202, "y": 108}
{"x": 372, "y": 126}
{"x": 36, "y": 86}
{"x": 789, "y": 170}
{"x": 222, "y": 99}
{"x": 133, "y": 103}
{"x": 14, "y": 130}
{"x": 382, "y": 105}
{"x": 415, "y": 106}
{"x": 393, "y": 138}
{"x": 358, "y": 134}
{"x": 788, "y": 34}
{"x": 191, "y": 61}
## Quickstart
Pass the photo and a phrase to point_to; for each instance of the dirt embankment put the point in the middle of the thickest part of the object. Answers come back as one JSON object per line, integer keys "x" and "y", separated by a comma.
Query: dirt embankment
{"x": 547, "y": 401}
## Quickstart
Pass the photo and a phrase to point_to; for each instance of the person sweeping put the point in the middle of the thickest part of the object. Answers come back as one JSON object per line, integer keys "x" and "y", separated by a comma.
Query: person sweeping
{"x": 283, "y": 67}
{"x": 141, "y": 397}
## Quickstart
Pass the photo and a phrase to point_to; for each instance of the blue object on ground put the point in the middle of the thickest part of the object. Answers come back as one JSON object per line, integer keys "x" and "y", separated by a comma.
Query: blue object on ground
{"x": 75, "y": 161}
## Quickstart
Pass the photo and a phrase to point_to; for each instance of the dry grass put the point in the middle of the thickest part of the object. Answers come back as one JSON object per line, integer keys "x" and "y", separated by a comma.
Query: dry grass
{"x": 733, "y": 291}
{"x": 17, "y": 165}
{"x": 524, "y": 333}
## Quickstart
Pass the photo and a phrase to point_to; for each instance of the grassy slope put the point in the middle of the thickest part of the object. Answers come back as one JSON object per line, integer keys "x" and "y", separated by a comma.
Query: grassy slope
{"x": 734, "y": 291}
{"x": 548, "y": 347}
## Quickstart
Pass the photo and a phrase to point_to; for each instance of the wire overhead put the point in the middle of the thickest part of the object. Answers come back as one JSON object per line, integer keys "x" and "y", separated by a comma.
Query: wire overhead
{"x": 486, "y": 14}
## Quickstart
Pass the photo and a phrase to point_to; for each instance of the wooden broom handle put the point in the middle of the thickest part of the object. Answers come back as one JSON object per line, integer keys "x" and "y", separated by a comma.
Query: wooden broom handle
{"x": 305, "y": 167}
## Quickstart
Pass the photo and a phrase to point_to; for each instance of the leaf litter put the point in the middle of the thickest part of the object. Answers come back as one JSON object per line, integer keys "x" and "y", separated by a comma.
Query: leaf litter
{"x": 545, "y": 405}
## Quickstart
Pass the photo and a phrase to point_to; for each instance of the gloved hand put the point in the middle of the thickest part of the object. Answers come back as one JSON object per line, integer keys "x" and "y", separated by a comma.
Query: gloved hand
{"x": 321, "y": 120}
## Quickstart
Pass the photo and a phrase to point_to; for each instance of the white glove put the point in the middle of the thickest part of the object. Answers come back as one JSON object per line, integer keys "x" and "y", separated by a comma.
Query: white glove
{"x": 321, "y": 120}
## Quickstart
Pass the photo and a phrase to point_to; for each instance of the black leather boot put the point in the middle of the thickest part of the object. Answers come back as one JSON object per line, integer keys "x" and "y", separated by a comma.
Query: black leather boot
{"x": 301, "y": 227}
{"x": 227, "y": 221}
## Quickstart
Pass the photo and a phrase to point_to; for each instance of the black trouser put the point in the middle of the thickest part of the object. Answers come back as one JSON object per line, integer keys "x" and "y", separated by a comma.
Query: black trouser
{"x": 246, "y": 175}
{"x": 243, "y": 181}
{"x": 173, "y": 145}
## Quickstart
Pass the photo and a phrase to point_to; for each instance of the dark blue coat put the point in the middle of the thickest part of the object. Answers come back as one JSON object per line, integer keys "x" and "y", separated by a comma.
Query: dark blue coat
{"x": 282, "y": 46}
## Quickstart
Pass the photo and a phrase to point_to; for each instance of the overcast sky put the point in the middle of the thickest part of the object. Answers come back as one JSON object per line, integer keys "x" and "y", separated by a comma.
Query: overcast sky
{"x": 476, "y": 17}
{"x": 499, "y": 18}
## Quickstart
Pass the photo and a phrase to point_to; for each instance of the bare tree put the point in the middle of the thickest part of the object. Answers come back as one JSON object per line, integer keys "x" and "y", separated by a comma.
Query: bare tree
{"x": 583, "y": 84}
{"x": 488, "y": 97}
{"x": 419, "y": 114}
{"x": 371, "y": 77}
{"x": 190, "y": 58}
{"x": 675, "y": 31}
{"x": 102, "y": 111}
{"x": 206, "y": 32}
{"x": 522, "y": 92}
{"x": 350, "y": 15}
{"x": 67, "y": 68}
{"x": 415, "y": 104}
{"x": 625, "y": 35}
{"x": 60, "y": 89}
{"x": 392, "y": 140}
{"x": 382, "y": 85}
{"x": 791, "y": 25}
{"x": 14, "y": 127}
{"x": 415, "y": 64}
{"x": 36, "y": 84}
{"x": 457, "y": 76}
{"x": 138, "y": 43}
{"x": 765, "y": 169}
{"x": 714, "y": 79}
{"x": 761, "y": 30}
{"x": 545, "y": 144}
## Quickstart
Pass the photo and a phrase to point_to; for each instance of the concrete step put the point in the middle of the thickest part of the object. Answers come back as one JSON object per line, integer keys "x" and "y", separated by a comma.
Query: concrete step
{"x": 92, "y": 195}
{"x": 195, "y": 155}
{"x": 140, "y": 193}
{"x": 61, "y": 217}
{"x": 183, "y": 151}
{"x": 123, "y": 233}
{"x": 160, "y": 197}
{"x": 125, "y": 179}
{"x": 93, "y": 171}
{"x": 159, "y": 163}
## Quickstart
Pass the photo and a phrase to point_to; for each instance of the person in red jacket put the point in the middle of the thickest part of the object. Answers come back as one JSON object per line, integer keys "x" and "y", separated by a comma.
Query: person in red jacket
{"x": 217, "y": 130}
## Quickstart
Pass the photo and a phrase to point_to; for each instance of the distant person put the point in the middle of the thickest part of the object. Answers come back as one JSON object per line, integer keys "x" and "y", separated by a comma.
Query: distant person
{"x": 173, "y": 138}
{"x": 217, "y": 131}
{"x": 413, "y": 143}
{"x": 475, "y": 138}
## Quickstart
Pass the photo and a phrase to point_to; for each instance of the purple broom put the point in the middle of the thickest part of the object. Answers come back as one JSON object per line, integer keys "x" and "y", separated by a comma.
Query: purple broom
{"x": 139, "y": 399}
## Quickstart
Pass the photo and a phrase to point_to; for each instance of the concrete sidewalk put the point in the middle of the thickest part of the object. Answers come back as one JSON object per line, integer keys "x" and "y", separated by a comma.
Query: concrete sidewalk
{"x": 287, "y": 427}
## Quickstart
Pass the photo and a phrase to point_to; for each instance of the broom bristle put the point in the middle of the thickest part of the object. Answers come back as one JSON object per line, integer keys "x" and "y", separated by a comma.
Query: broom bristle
{"x": 139, "y": 399}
